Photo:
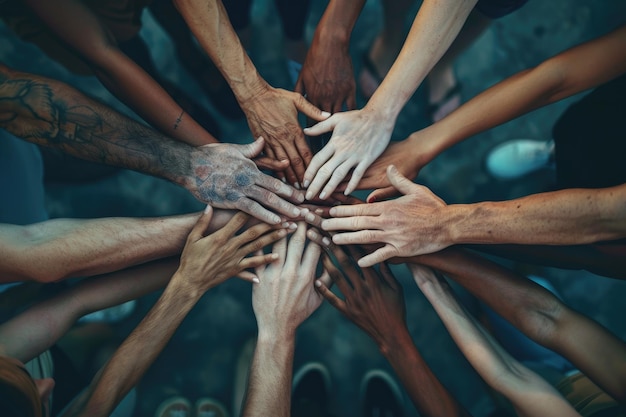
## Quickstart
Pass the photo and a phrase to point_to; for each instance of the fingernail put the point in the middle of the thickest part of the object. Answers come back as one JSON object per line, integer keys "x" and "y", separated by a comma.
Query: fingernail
{"x": 304, "y": 211}
{"x": 313, "y": 234}
{"x": 309, "y": 195}
{"x": 296, "y": 211}
{"x": 319, "y": 211}
{"x": 326, "y": 241}
{"x": 207, "y": 208}
{"x": 275, "y": 219}
{"x": 256, "y": 280}
{"x": 283, "y": 179}
{"x": 318, "y": 283}
{"x": 322, "y": 195}
{"x": 332, "y": 211}
{"x": 293, "y": 226}
{"x": 309, "y": 217}
{"x": 282, "y": 232}
{"x": 325, "y": 114}
{"x": 285, "y": 224}
{"x": 297, "y": 185}
{"x": 274, "y": 256}
{"x": 306, "y": 183}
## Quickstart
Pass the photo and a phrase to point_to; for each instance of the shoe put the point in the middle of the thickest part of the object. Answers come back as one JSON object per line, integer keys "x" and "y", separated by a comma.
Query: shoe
{"x": 380, "y": 395}
{"x": 174, "y": 407}
{"x": 208, "y": 407}
{"x": 311, "y": 391}
{"x": 449, "y": 103}
{"x": 518, "y": 157}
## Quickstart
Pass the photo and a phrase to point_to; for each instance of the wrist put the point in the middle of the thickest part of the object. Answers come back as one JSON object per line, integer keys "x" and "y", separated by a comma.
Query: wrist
{"x": 333, "y": 35}
{"x": 396, "y": 344}
{"x": 248, "y": 86}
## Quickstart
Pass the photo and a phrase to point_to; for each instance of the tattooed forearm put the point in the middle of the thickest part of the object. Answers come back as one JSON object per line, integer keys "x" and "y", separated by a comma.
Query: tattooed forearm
{"x": 52, "y": 114}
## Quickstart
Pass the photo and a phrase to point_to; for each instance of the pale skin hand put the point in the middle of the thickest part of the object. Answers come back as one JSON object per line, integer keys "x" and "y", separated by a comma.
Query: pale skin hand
{"x": 225, "y": 176}
{"x": 392, "y": 223}
{"x": 206, "y": 262}
{"x": 283, "y": 299}
{"x": 359, "y": 137}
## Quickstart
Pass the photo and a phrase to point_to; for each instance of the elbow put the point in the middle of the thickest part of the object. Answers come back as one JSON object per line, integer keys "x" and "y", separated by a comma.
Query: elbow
{"x": 540, "y": 316}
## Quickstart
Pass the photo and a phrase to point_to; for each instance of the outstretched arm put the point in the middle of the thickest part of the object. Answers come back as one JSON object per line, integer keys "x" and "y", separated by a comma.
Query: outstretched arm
{"x": 283, "y": 299}
{"x": 32, "y": 332}
{"x": 420, "y": 222}
{"x": 555, "y": 79}
{"x": 206, "y": 262}
{"x": 327, "y": 77}
{"x": 272, "y": 113}
{"x": 359, "y": 137}
{"x": 374, "y": 302}
{"x": 540, "y": 315}
{"x": 53, "y": 114}
{"x": 80, "y": 28}
{"x": 62, "y": 248}
{"x": 528, "y": 392}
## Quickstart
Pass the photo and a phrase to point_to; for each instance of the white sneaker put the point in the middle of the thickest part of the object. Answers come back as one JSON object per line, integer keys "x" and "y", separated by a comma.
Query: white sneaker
{"x": 518, "y": 157}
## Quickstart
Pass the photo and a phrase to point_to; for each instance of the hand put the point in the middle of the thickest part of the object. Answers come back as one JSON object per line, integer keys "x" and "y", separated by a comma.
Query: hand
{"x": 207, "y": 261}
{"x": 286, "y": 295}
{"x": 225, "y": 177}
{"x": 273, "y": 114}
{"x": 327, "y": 77}
{"x": 359, "y": 137}
{"x": 396, "y": 154}
{"x": 408, "y": 226}
{"x": 373, "y": 301}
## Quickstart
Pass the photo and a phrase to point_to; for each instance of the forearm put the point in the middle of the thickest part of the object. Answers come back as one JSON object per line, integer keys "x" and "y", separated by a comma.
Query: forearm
{"x": 138, "y": 351}
{"x": 209, "y": 22}
{"x": 32, "y": 332}
{"x": 435, "y": 27}
{"x": 337, "y": 22}
{"x": 51, "y": 113}
{"x": 566, "y": 217}
{"x": 67, "y": 248}
{"x": 269, "y": 380}
{"x": 133, "y": 86}
{"x": 539, "y": 315}
{"x": 427, "y": 393}
{"x": 557, "y": 78}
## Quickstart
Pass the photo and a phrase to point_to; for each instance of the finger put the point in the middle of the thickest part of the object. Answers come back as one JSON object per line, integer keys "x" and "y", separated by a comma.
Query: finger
{"x": 274, "y": 202}
{"x": 255, "y": 261}
{"x": 378, "y": 256}
{"x": 388, "y": 277}
{"x": 281, "y": 153}
{"x": 323, "y": 175}
{"x": 361, "y": 237}
{"x": 314, "y": 235}
{"x": 297, "y": 158}
{"x": 338, "y": 175}
{"x": 198, "y": 230}
{"x": 314, "y": 166}
{"x": 311, "y": 256}
{"x": 270, "y": 154}
{"x": 258, "y": 211}
{"x": 334, "y": 301}
{"x": 382, "y": 194}
{"x": 296, "y": 246}
{"x": 305, "y": 153}
{"x": 248, "y": 276}
{"x": 259, "y": 270}
{"x": 234, "y": 224}
{"x": 356, "y": 223}
{"x": 263, "y": 240}
{"x": 251, "y": 150}
{"x": 357, "y": 210}
{"x": 399, "y": 181}
{"x": 325, "y": 279}
{"x": 267, "y": 163}
{"x": 336, "y": 275}
{"x": 322, "y": 127}
{"x": 357, "y": 174}
{"x": 309, "y": 110}
{"x": 280, "y": 188}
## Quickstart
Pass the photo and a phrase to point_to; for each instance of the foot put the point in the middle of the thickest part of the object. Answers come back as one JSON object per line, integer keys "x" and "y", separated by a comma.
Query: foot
{"x": 311, "y": 391}
{"x": 516, "y": 158}
{"x": 380, "y": 395}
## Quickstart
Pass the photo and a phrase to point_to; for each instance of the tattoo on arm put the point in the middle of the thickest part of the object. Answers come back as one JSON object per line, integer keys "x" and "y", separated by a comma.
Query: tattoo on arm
{"x": 179, "y": 119}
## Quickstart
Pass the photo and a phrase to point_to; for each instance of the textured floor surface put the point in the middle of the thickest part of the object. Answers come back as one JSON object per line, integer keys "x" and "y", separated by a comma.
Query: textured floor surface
{"x": 200, "y": 360}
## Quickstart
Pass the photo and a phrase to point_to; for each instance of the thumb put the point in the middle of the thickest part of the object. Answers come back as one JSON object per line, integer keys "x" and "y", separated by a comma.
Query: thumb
{"x": 202, "y": 224}
{"x": 251, "y": 150}
{"x": 304, "y": 106}
{"x": 381, "y": 194}
{"x": 399, "y": 181}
